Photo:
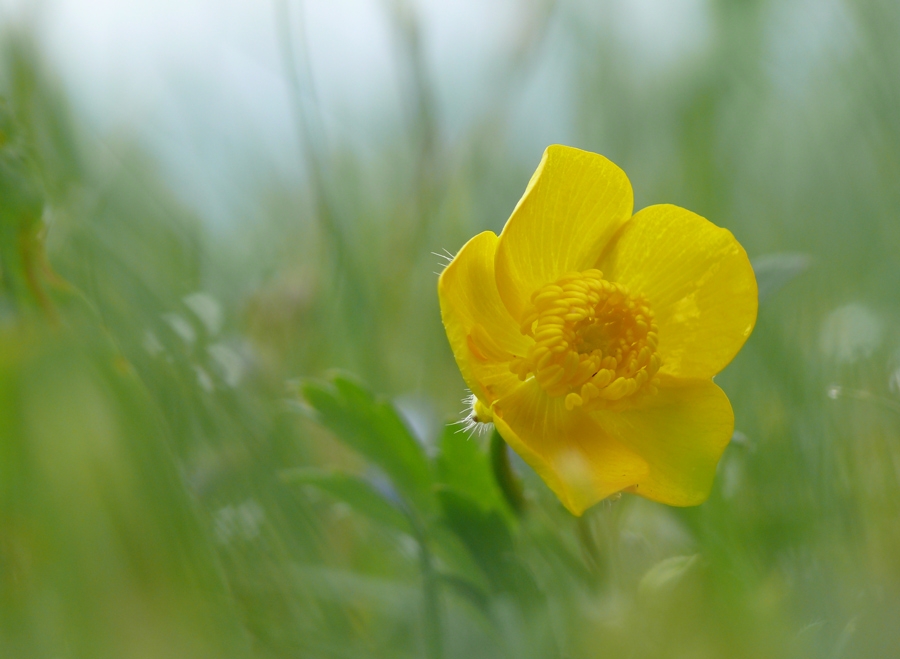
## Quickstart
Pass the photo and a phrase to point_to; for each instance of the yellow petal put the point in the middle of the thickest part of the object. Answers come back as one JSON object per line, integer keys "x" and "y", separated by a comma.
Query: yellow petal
{"x": 572, "y": 206}
{"x": 482, "y": 334}
{"x": 579, "y": 461}
{"x": 681, "y": 433}
{"x": 697, "y": 280}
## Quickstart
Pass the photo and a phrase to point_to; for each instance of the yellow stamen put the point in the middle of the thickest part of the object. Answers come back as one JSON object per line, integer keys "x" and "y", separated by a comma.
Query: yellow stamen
{"x": 595, "y": 342}
{"x": 573, "y": 401}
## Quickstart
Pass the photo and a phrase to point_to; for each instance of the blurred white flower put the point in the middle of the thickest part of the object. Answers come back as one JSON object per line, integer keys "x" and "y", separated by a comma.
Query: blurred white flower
{"x": 151, "y": 343}
{"x": 243, "y": 520}
{"x": 231, "y": 363}
{"x": 850, "y": 333}
{"x": 203, "y": 378}
{"x": 894, "y": 368}
{"x": 181, "y": 327}
{"x": 207, "y": 309}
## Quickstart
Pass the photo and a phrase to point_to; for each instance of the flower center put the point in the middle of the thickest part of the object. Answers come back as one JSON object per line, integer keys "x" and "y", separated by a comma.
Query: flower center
{"x": 594, "y": 342}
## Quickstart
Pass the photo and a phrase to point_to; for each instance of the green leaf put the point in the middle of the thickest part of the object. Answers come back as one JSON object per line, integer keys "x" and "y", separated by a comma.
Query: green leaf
{"x": 487, "y": 536}
{"x": 375, "y": 430}
{"x": 355, "y": 492}
{"x": 465, "y": 468}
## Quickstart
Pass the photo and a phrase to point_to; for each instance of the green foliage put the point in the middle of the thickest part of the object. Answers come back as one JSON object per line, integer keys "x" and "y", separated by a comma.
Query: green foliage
{"x": 487, "y": 536}
{"x": 94, "y": 513}
{"x": 470, "y": 503}
{"x": 375, "y": 430}
{"x": 464, "y": 467}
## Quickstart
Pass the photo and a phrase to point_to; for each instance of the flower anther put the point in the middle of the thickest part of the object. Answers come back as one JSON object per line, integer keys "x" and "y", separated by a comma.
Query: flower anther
{"x": 594, "y": 342}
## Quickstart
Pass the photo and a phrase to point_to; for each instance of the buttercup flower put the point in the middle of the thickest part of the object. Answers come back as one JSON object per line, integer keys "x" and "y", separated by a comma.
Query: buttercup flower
{"x": 590, "y": 337}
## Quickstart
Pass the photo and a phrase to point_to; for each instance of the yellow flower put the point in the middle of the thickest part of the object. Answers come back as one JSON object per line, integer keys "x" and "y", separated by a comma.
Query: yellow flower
{"x": 590, "y": 337}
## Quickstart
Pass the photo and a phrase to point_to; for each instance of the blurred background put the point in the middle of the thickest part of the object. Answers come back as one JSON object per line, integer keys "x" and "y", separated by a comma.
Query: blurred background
{"x": 224, "y": 383}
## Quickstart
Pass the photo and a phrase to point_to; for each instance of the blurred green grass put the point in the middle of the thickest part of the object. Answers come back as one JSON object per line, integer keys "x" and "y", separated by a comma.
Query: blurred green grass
{"x": 173, "y": 484}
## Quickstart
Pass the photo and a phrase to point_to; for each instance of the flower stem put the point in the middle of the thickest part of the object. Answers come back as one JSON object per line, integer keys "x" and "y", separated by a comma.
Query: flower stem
{"x": 432, "y": 613}
{"x": 507, "y": 480}
{"x": 432, "y": 627}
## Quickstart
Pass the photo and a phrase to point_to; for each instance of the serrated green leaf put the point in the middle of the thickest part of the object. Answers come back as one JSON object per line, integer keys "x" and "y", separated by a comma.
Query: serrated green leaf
{"x": 375, "y": 430}
{"x": 355, "y": 492}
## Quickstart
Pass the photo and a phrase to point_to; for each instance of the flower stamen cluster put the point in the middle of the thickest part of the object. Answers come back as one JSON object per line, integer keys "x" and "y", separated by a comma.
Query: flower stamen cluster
{"x": 594, "y": 342}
